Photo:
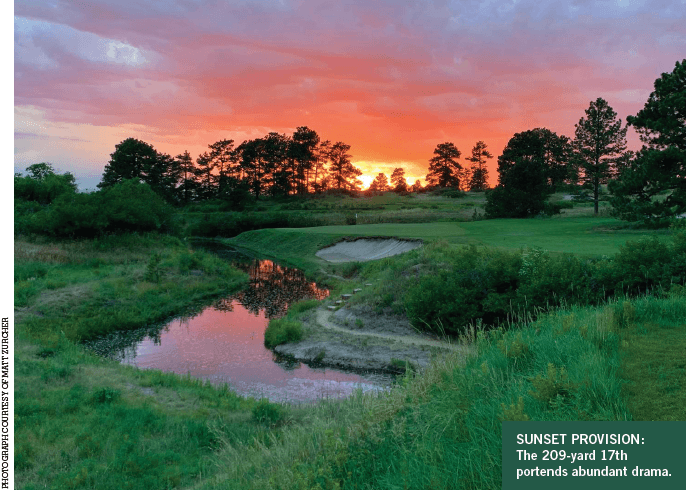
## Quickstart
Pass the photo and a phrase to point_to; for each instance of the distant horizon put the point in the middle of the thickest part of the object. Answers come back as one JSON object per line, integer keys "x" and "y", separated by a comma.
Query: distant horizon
{"x": 391, "y": 79}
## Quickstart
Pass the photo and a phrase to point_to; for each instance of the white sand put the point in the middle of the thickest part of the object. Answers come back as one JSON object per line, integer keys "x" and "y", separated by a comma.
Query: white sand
{"x": 366, "y": 249}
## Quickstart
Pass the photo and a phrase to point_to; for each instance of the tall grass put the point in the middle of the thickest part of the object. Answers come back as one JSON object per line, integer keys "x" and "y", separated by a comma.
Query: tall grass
{"x": 442, "y": 427}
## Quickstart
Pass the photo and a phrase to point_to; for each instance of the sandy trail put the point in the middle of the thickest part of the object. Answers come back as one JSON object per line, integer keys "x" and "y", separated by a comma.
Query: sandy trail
{"x": 323, "y": 321}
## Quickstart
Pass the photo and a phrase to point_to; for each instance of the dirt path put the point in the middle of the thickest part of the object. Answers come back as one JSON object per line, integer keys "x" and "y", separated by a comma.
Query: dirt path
{"x": 323, "y": 320}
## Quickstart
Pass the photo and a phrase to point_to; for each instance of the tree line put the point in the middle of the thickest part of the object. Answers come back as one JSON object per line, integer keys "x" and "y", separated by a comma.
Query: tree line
{"x": 648, "y": 185}
{"x": 274, "y": 165}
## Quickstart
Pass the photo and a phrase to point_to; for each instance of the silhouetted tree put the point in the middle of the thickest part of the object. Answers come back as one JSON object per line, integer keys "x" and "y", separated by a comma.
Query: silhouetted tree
{"x": 322, "y": 153}
{"x": 417, "y": 187}
{"x": 344, "y": 174}
{"x": 188, "y": 185}
{"x": 444, "y": 170}
{"x": 479, "y": 178}
{"x": 522, "y": 191}
{"x": 661, "y": 164}
{"x": 223, "y": 160}
{"x": 203, "y": 177}
{"x": 131, "y": 159}
{"x": 599, "y": 141}
{"x": 135, "y": 159}
{"x": 398, "y": 182}
{"x": 553, "y": 151}
{"x": 303, "y": 150}
{"x": 279, "y": 175}
{"x": 379, "y": 184}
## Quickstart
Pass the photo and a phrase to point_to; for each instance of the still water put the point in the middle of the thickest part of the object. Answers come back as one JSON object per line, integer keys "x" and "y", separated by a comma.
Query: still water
{"x": 224, "y": 342}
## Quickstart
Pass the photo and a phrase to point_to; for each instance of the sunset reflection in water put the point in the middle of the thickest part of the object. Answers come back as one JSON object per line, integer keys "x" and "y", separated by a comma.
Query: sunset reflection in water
{"x": 225, "y": 342}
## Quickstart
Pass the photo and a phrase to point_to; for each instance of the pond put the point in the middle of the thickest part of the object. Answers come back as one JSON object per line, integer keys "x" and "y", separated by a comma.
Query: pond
{"x": 224, "y": 342}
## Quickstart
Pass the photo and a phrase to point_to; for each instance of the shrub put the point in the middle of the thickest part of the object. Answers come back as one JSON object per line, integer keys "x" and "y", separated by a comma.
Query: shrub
{"x": 478, "y": 285}
{"x": 126, "y": 206}
{"x": 551, "y": 209}
{"x": 281, "y": 331}
{"x": 644, "y": 264}
{"x": 44, "y": 190}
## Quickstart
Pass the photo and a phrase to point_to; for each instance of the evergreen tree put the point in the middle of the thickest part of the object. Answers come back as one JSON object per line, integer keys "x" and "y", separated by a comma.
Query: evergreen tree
{"x": 322, "y": 153}
{"x": 203, "y": 176}
{"x": 522, "y": 191}
{"x": 661, "y": 164}
{"x": 343, "y": 173}
{"x": 136, "y": 159}
{"x": 398, "y": 182}
{"x": 479, "y": 179}
{"x": 303, "y": 150}
{"x": 599, "y": 142}
{"x": 279, "y": 172}
{"x": 553, "y": 151}
{"x": 379, "y": 184}
{"x": 131, "y": 159}
{"x": 188, "y": 185}
{"x": 444, "y": 170}
{"x": 223, "y": 160}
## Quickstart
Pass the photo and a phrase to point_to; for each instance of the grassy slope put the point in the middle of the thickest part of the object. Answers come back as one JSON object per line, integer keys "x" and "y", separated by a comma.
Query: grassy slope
{"x": 588, "y": 236}
{"x": 443, "y": 429}
{"x": 82, "y": 421}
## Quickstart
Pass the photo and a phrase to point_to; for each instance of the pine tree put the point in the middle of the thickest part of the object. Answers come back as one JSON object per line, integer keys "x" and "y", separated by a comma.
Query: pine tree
{"x": 343, "y": 173}
{"x": 660, "y": 166}
{"x": 398, "y": 182}
{"x": 188, "y": 184}
{"x": 444, "y": 170}
{"x": 599, "y": 142}
{"x": 479, "y": 179}
{"x": 380, "y": 183}
{"x": 552, "y": 150}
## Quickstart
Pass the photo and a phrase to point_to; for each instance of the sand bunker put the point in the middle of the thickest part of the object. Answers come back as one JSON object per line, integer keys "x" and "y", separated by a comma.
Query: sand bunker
{"x": 366, "y": 249}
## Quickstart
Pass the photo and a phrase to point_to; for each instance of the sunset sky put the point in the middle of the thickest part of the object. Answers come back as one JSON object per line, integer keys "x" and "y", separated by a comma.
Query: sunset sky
{"x": 391, "y": 78}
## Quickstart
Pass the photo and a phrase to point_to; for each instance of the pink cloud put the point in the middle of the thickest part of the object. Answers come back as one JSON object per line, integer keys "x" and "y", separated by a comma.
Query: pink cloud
{"x": 390, "y": 78}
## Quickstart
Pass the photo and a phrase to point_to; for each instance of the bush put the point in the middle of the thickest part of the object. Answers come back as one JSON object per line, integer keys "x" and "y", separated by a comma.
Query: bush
{"x": 522, "y": 192}
{"x": 477, "y": 285}
{"x": 128, "y": 206}
{"x": 44, "y": 190}
{"x": 281, "y": 331}
{"x": 551, "y": 209}
{"x": 462, "y": 287}
{"x": 646, "y": 263}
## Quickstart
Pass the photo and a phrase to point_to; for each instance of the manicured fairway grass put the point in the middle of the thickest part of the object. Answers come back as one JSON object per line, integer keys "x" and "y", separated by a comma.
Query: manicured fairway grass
{"x": 587, "y": 236}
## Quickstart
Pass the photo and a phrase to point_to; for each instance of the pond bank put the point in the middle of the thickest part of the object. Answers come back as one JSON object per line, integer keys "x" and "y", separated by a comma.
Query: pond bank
{"x": 357, "y": 337}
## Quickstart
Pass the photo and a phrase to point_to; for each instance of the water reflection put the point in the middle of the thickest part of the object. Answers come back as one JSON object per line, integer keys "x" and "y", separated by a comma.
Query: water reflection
{"x": 224, "y": 343}
{"x": 272, "y": 288}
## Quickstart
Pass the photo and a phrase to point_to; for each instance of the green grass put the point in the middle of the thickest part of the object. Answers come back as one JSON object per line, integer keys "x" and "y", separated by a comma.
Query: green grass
{"x": 582, "y": 236}
{"x": 85, "y": 422}
{"x": 442, "y": 428}
{"x": 280, "y": 331}
{"x": 654, "y": 363}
